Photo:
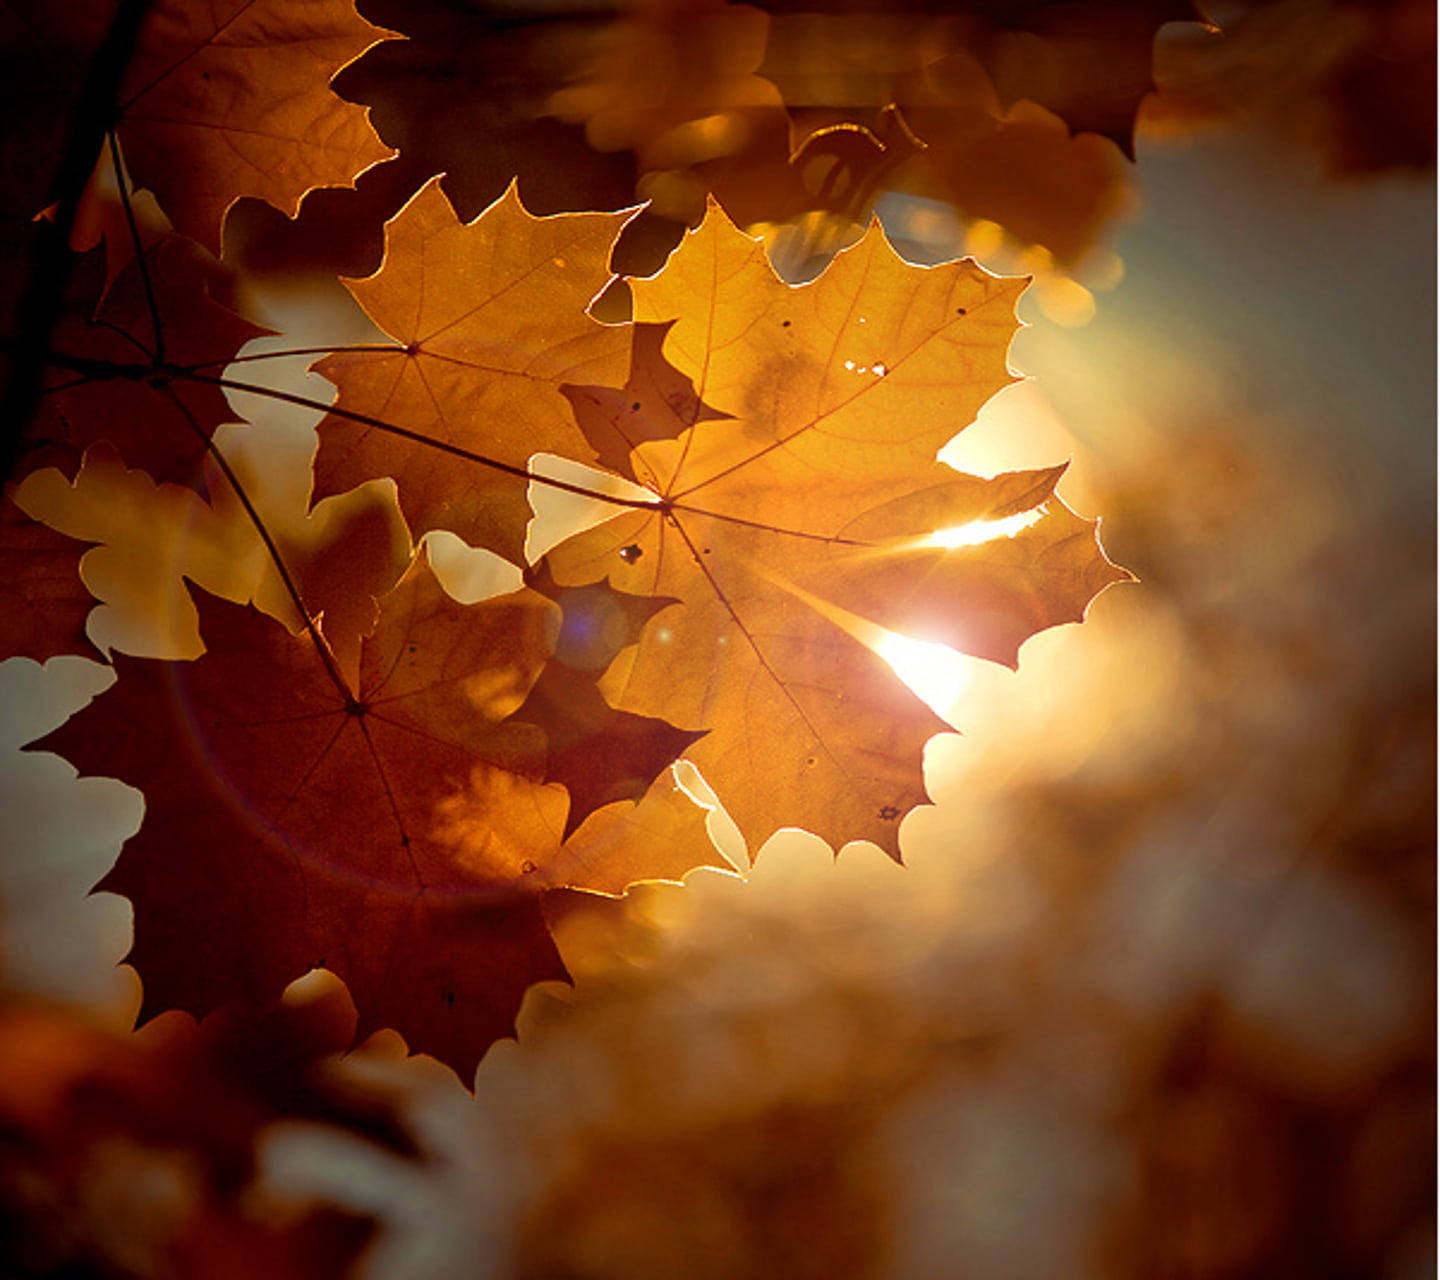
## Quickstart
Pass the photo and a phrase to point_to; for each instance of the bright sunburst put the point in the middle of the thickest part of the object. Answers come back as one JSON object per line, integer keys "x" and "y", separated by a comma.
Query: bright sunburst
{"x": 978, "y": 531}
{"x": 936, "y": 673}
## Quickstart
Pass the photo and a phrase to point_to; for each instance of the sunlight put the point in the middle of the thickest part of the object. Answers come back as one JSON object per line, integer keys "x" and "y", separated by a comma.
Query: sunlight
{"x": 724, "y": 834}
{"x": 937, "y": 674}
{"x": 978, "y": 531}
{"x": 560, "y": 514}
{"x": 469, "y": 574}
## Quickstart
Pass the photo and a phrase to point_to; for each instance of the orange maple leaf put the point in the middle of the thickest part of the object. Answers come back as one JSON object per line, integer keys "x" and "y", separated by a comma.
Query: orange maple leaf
{"x": 219, "y": 100}
{"x": 804, "y": 515}
{"x": 232, "y": 99}
{"x": 489, "y": 323}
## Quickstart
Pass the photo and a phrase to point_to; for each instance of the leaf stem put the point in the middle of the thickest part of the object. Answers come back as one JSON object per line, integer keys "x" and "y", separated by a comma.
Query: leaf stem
{"x": 157, "y": 326}
{"x": 97, "y": 369}
{"x": 386, "y": 348}
{"x": 322, "y": 647}
{"x": 443, "y": 446}
{"x": 680, "y": 508}
{"x": 636, "y": 504}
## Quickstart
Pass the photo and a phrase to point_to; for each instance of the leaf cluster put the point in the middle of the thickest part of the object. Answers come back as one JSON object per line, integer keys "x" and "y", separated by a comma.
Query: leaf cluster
{"x": 716, "y": 511}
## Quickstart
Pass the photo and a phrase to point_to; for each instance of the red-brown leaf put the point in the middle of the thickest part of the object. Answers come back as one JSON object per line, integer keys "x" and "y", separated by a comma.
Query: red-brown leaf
{"x": 385, "y": 838}
{"x": 148, "y": 418}
{"x": 232, "y": 98}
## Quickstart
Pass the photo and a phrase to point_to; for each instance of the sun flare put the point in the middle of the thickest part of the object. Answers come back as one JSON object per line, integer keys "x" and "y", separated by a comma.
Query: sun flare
{"x": 937, "y": 674}
{"x": 978, "y": 531}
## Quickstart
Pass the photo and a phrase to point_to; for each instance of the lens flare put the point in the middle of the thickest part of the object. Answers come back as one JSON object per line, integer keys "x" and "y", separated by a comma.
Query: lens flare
{"x": 978, "y": 531}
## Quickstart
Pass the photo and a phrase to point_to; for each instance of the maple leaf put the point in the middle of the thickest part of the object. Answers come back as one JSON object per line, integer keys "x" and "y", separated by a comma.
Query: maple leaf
{"x": 289, "y": 826}
{"x": 789, "y": 526}
{"x": 102, "y": 385}
{"x": 598, "y": 753}
{"x": 1021, "y": 168}
{"x": 657, "y": 402}
{"x": 489, "y": 321}
{"x": 47, "y": 603}
{"x": 400, "y": 837}
{"x": 1089, "y": 63}
{"x": 226, "y": 99}
{"x": 464, "y": 94}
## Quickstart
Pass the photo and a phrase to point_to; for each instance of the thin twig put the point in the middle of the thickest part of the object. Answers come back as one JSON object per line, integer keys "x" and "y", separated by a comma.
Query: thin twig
{"x": 156, "y": 325}
{"x": 97, "y": 369}
{"x": 635, "y": 504}
{"x": 455, "y": 450}
{"x": 321, "y": 646}
{"x": 80, "y": 380}
{"x": 356, "y": 347}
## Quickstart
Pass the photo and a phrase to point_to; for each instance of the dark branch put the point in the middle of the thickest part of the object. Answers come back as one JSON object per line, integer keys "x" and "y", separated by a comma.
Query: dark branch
{"x": 51, "y": 263}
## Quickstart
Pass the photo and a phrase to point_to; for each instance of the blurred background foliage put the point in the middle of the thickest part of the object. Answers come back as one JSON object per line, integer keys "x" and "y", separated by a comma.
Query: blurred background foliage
{"x": 1154, "y": 995}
